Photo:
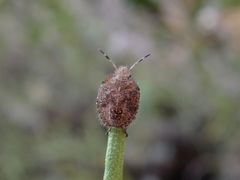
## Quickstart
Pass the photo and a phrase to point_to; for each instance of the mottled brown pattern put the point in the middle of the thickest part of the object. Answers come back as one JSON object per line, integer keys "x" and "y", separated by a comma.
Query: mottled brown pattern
{"x": 118, "y": 99}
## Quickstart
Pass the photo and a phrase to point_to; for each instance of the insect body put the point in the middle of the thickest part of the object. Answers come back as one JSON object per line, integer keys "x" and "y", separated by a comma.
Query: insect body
{"x": 118, "y": 97}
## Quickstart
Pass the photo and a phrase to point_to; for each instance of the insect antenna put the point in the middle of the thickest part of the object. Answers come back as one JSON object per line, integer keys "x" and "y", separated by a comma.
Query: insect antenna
{"x": 108, "y": 58}
{"x": 138, "y": 61}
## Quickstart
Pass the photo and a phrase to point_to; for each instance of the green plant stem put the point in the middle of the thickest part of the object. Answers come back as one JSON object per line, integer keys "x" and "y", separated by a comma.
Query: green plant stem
{"x": 114, "y": 155}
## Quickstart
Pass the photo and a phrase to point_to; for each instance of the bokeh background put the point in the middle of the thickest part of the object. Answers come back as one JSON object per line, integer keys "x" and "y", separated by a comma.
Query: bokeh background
{"x": 188, "y": 124}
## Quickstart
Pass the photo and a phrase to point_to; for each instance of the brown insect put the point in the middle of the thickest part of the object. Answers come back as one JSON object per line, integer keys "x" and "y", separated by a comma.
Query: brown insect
{"x": 118, "y": 97}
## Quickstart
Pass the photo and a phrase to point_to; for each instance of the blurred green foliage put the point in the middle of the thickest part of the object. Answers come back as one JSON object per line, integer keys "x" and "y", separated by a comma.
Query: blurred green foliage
{"x": 188, "y": 123}
{"x": 231, "y": 3}
{"x": 149, "y": 5}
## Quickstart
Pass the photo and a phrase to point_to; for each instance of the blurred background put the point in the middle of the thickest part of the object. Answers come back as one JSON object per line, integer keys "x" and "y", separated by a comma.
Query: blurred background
{"x": 188, "y": 123}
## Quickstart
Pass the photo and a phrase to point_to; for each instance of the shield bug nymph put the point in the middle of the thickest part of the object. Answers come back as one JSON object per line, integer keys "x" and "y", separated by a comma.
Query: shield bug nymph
{"x": 118, "y": 97}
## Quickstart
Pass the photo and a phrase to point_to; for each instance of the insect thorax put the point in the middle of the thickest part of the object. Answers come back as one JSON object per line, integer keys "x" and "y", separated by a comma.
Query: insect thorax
{"x": 122, "y": 73}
